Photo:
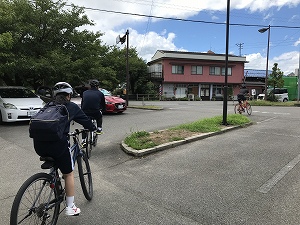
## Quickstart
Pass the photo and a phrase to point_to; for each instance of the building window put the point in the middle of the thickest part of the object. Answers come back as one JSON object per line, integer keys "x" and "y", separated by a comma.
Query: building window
{"x": 177, "y": 69}
{"x": 228, "y": 69}
{"x": 214, "y": 70}
{"x": 196, "y": 69}
{"x": 217, "y": 89}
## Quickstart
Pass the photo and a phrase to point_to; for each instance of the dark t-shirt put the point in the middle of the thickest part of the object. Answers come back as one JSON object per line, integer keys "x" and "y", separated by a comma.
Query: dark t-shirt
{"x": 244, "y": 91}
{"x": 93, "y": 100}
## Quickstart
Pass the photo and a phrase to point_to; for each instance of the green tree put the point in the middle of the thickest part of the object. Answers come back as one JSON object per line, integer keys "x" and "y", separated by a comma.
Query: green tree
{"x": 116, "y": 60}
{"x": 275, "y": 79}
{"x": 41, "y": 44}
{"x": 46, "y": 44}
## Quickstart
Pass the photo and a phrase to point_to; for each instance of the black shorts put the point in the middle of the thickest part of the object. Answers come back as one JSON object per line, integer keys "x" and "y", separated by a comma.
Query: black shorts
{"x": 59, "y": 151}
{"x": 241, "y": 97}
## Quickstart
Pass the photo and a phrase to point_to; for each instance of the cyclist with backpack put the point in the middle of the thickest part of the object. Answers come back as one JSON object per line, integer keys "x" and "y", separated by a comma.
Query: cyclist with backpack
{"x": 242, "y": 96}
{"x": 93, "y": 103}
{"x": 58, "y": 148}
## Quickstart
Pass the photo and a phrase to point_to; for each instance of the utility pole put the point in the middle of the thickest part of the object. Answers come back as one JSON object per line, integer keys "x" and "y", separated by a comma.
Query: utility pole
{"x": 240, "y": 45}
{"x": 224, "y": 122}
{"x": 298, "y": 79}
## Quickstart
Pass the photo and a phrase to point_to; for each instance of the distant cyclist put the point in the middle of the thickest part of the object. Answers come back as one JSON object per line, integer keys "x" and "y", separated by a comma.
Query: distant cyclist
{"x": 93, "y": 103}
{"x": 59, "y": 150}
{"x": 242, "y": 96}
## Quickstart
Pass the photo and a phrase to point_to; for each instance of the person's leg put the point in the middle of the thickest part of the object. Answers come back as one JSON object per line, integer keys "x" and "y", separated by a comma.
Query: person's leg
{"x": 83, "y": 134}
{"x": 69, "y": 184}
{"x": 71, "y": 209}
{"x": 99, "y": 121}
{"x": 66, "y": 166}
{"x": 240, "y": 103}
{"x": 98, "y": 118}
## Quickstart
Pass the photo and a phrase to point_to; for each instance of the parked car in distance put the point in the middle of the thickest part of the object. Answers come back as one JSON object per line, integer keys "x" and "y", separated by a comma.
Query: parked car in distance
{"x": 280, "y": 93}
{"x": 18, "y": 104}
{"x": 218, "y": 97}
{"x": 113, "y": 104}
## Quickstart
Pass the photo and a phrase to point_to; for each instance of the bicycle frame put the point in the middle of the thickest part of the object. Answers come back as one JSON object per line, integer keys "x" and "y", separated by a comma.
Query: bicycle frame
{"x": 75, "y": 150}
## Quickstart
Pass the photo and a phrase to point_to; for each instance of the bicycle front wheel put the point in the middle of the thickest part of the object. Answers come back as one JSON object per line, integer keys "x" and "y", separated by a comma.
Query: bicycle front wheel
{"x": 248, "y": 109}
{"x": 85, "y": 176}
{"x": 36, "y": 202}
{"x": 236, "y": 109}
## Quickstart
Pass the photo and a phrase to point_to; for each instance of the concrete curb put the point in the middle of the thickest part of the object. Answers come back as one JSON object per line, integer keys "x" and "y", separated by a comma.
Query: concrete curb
{"x": 143, "y": 152}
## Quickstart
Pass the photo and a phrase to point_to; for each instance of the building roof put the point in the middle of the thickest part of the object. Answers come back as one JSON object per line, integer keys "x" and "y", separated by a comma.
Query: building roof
{"x": 159, "y": 54}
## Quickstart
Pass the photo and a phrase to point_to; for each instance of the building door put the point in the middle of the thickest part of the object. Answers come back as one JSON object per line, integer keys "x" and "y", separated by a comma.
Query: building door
{"x": 205, "y": 92}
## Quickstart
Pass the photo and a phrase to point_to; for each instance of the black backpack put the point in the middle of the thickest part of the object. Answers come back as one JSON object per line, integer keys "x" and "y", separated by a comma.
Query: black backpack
{"x": 49, "y": 123}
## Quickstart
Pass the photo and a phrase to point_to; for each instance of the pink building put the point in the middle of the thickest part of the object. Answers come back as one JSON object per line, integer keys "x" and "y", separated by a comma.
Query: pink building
{"x": 195, "y": 75}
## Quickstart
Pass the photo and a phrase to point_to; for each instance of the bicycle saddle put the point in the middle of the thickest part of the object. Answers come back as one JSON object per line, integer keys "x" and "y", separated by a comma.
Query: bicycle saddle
{"x": 48, "y": 162}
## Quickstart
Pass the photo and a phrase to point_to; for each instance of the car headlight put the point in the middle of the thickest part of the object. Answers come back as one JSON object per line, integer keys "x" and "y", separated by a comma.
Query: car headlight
{"x": 9, "y": 106}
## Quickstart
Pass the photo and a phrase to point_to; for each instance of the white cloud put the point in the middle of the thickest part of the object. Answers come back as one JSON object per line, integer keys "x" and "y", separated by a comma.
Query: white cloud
{"x": 286, "y": 62}
{"x": 148, "y": 42}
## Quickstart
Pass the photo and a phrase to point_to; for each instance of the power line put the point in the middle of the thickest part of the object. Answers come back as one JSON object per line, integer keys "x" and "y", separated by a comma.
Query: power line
{"x": 186, "y": 20}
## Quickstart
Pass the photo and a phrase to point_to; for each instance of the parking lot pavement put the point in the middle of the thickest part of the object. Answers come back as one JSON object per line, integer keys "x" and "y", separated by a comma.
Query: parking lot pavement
{"x": 216, "y": 180}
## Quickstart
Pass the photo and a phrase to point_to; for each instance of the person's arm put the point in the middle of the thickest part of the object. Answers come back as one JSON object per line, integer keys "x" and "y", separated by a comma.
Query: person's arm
{"x": 80, "y": 117}
{"x": 103, "y": 102}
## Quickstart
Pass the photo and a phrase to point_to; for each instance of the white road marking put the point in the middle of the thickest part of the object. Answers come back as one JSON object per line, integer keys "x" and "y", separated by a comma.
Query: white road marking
{"x": 266, "y": 120}
{"x": 266, "y": 187}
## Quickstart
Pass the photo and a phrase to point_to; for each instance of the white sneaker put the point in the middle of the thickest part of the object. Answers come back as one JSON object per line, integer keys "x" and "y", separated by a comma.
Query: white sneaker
{"x": 72, "y": 211}
{"x": 83, "y": 143}
{"x": 99, "y": 130}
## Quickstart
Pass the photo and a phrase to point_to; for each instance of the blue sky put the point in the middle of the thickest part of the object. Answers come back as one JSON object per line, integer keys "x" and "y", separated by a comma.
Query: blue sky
{"x": 148, "y": 34}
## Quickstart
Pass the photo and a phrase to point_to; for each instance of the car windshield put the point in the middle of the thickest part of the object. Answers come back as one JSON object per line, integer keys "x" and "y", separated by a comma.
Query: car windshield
{"x": 16, "y": 93}
{"x": 105, "y": 92}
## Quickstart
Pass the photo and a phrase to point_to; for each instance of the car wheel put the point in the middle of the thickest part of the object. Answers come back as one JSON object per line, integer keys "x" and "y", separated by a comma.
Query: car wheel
{"x": 285, "y": 100}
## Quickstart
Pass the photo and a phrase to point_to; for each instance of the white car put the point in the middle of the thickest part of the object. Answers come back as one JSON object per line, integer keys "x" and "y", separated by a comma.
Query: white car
{"x": 18, "y": 104}
{"x": 280, "y": 93}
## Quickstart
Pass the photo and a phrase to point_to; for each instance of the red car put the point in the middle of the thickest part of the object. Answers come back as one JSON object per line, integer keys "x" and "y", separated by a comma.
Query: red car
{"x": 113, "y": 104}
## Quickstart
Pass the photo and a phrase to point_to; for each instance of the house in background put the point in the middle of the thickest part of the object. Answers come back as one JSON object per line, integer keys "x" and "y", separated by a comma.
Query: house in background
{"x": 195, "y": 75}
{"x": 255, "y": 80}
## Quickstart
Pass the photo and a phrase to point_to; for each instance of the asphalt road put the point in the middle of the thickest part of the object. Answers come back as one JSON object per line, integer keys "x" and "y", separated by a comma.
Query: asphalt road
{"x": 245, "y": 176}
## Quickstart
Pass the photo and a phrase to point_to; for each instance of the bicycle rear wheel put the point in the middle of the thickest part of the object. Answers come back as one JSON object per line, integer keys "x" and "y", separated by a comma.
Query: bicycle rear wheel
{"x": 94, "y": 134}
{"x": 85, "y": 176}
{"x": 89, "y": 144}
{"x": 36, "y": 202}
{"x": 95, "y": 139}
{"x": 248, "y": 109}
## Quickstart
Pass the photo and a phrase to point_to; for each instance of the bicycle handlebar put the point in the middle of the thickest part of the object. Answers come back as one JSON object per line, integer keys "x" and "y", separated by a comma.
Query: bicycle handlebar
{"x": 77, "y": 132}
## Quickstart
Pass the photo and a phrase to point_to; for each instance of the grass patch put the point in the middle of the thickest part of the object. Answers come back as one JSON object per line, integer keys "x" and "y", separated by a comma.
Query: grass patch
{"x": 268, "y": 103}
{"x": 143, "y": 140}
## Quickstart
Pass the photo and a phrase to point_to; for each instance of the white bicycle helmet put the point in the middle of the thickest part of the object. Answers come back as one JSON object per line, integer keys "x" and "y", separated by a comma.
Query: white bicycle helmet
{"x": 62, "y": 87}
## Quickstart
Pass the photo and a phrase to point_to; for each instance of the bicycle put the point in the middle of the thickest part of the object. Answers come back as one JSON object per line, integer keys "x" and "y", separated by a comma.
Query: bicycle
{"x": 38, "y": 199}
{"x": 91, "y": 140}
{"x": 245, "y": 106}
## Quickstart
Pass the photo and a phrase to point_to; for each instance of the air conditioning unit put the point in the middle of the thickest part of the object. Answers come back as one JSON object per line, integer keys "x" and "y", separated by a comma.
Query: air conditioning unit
{"x": 191, "y": 97}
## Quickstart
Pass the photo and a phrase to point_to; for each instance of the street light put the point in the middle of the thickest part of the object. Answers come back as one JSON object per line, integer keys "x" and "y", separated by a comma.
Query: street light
{"x": 122, "y": 40}
{"x": 263, "y": 30}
